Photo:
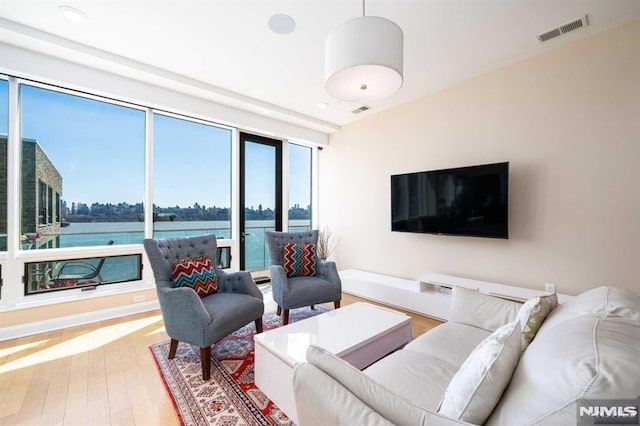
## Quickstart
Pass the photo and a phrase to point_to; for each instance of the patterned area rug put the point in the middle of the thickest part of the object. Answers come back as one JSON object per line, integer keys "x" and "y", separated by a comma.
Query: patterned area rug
{"x": 230, "y": 397}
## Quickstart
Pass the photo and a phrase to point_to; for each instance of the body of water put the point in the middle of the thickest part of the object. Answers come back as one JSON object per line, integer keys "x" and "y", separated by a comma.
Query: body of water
{"x": 100, "y": 233}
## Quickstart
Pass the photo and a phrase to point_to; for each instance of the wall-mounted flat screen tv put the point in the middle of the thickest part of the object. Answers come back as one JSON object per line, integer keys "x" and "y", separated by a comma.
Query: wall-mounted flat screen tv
{"x": 470, "y": 201}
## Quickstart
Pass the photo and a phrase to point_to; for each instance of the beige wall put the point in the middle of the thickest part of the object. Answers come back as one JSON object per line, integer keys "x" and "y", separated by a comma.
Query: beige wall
{"x": 569, "y": 124}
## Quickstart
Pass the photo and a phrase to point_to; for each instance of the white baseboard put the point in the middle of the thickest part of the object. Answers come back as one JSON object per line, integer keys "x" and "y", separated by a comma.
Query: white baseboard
{"x": 28, "y": 329}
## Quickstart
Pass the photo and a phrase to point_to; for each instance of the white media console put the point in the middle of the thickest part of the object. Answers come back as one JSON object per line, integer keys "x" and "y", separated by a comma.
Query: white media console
{"x": 428, "y": 294}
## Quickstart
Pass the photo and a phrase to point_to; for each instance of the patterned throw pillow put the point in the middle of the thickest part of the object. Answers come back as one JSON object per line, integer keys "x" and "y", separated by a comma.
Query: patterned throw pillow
{"x": 197, "y": 273}
{"x": 532, "y": 315}
{"x": 299, "y": 260}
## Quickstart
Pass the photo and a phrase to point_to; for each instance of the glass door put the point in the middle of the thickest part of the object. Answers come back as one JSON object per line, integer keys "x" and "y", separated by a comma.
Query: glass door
{"x": 260, "y": 198}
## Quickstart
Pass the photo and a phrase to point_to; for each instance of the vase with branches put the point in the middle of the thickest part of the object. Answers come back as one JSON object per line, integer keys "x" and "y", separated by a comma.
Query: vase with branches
{"x": 326, "y": 243}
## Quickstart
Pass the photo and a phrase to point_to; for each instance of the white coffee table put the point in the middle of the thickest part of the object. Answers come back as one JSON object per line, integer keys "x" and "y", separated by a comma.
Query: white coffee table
{"x": 360, "y": 333}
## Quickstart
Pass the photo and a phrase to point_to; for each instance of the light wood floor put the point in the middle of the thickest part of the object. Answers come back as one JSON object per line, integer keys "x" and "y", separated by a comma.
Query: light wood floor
{"x": 97, "y": 374}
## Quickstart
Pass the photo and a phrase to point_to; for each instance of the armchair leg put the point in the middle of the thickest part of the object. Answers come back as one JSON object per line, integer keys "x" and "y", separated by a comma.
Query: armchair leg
{"x": 336, "y": 304}
{"x": 259, "y": 325}
{"x": 205, "y": 361}
{"x": 285, "y": 317}
{"x": 279, "y": 311}
{"x": 173, "y": 348}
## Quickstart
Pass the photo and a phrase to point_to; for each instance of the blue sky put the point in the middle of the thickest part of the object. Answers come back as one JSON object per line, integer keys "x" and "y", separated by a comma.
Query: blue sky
{"x": 299, "y": 175}
{"x": 98, "y": 148}
{"x": 260, "y": 175}
{"x": 4, "y": 99}
{"x": 192, "y": 163}
{"x": 259, "y": 181}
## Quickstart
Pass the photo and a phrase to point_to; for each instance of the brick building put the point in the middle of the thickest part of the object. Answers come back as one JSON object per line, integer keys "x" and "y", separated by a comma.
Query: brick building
{"x": 41, "y": 186}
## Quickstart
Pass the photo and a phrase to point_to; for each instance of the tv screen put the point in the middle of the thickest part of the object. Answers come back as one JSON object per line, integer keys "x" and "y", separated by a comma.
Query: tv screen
{"x": 470, "y": 201}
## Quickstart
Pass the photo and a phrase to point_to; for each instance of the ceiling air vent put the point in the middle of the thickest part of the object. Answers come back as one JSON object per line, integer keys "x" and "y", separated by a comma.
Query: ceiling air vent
{"x": 563, "y": 29}
{"x": 363, "y": 108}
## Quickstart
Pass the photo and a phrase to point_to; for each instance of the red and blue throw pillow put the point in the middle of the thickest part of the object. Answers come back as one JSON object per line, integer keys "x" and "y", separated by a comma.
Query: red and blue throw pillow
{"x": 197, "y": 273}
{"x": 299, "y": 260}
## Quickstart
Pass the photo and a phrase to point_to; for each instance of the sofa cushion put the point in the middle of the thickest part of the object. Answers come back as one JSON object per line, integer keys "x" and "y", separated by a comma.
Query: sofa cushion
{"x": 338, "y": 404}
{"x": 609, "y": 301}
{"x": 478, "y": 385}
{"x": 588, "y": 356}
{"x": 440, "y": 340}
{"x": 416, "y": 377}
{"x": 481, "y": 310}
{"x": 361, "y": 400}
{"x": 434, "y": 357}
{"x": 384, "y": 401}
{"x": 533, "y": 313}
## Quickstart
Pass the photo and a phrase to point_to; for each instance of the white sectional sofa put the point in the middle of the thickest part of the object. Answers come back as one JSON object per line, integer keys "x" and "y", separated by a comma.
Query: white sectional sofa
{"x": 588, "y": 348}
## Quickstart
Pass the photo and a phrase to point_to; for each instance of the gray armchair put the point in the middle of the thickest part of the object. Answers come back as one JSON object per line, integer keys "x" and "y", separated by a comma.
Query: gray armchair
{"x": 295, "y": 292}
{"x": 201, "y": 321}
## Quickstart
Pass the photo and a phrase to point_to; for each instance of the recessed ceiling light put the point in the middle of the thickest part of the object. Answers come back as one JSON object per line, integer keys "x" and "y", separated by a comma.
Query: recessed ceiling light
{"x": 282, "y": 24}
{"x": 322, "y": 105}
{"x": 73, "y": 14}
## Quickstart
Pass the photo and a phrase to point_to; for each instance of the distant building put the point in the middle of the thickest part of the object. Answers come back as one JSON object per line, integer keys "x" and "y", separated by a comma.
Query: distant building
{"x": 41, "y": 185}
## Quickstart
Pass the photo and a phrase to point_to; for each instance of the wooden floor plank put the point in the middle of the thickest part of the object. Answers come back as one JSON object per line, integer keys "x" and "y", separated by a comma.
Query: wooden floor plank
{"x": 16, "y": 392}
{"x": 55, "y": 402}
{"x": 33, "y": 404}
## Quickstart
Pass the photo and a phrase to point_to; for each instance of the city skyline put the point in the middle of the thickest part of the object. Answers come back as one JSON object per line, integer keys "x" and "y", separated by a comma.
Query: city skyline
{"x": 65, "y": 206}
{"x": 125, "y": 212}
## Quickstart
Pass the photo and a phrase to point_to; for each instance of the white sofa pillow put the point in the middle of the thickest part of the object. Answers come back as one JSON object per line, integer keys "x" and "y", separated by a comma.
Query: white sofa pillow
{"x": 477, "y": 387}
{"x": 481, "y": 310}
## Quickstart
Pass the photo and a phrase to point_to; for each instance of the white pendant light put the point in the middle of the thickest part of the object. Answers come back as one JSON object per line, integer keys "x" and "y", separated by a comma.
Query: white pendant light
{"x": 363, "y": 59}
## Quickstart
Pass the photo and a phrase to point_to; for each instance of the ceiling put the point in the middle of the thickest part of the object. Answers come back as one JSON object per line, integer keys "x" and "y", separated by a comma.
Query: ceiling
{"x": 225, "y": 51}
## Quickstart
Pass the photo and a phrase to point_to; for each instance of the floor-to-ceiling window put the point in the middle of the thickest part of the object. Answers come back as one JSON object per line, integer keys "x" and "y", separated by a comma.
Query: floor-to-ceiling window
{"x": 88, "y": 154}
{"x": 192, "y": 179}
{"x": 299, "y": 187}
{"x": 260, "y": 197}
{"x": 81, "y": 184}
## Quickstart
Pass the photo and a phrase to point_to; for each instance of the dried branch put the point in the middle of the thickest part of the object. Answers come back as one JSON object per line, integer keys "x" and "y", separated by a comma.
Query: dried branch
{"x": 326, "y": 243}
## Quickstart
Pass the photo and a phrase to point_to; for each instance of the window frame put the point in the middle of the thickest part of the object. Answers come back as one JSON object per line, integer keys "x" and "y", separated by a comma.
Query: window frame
{"x": 12, "y": 260}
{"x": 82, "y": 287}
{"x": 151, "y": 159}
{"x": 43, "y": 221}
{"x": 312, "y": 190}
{"x": 16, "y": 299}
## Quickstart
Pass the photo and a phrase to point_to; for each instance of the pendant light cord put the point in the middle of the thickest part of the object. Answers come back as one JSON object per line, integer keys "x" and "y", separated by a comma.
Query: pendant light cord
{"x": 363, "y": 12}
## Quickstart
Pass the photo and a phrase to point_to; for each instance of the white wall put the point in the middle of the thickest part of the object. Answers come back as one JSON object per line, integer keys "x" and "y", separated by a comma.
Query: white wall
{"x": 569, "y": 124}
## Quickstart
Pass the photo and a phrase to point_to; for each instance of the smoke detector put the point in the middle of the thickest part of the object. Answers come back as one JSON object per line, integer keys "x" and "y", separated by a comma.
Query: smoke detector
{"x": 563, "y": 29}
